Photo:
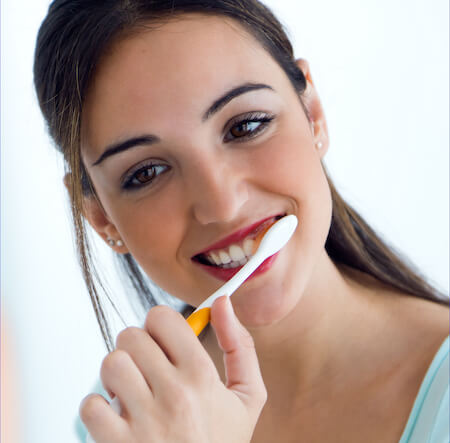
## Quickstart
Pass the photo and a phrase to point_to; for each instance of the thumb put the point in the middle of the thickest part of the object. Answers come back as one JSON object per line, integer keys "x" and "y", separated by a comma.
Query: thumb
{"x": 241, "y": 362}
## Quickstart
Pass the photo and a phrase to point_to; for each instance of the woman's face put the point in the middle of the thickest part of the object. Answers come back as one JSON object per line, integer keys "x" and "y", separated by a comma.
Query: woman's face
{"x": 177, "y": 171}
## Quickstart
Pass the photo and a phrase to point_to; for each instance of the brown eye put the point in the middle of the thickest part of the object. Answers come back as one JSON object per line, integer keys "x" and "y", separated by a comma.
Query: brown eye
{"x": 143, "y": 176}
{"x": 248, "y": 126}
{"x": 244, "y": 128}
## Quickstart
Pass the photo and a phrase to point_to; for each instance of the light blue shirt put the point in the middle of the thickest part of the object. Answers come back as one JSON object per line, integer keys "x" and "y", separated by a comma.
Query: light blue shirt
{"x": 429, "y": 418}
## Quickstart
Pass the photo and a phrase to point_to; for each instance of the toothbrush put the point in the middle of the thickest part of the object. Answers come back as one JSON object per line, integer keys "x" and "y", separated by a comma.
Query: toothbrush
{"x": 273, "y": 240}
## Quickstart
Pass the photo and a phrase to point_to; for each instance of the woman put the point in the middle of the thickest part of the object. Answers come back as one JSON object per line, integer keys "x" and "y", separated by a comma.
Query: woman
{"x": 185, "y": 127}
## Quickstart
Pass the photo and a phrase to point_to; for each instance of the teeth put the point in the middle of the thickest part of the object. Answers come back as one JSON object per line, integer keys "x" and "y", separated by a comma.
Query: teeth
{"x": 236, "y": 253}
{"x": 215, "y": 258}
{"x": 248, "y": 246}
{"x": 224, "y": 257}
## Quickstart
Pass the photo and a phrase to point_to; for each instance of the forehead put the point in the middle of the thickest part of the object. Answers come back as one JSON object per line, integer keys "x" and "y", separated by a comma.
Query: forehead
{"x": 176, "y": 67}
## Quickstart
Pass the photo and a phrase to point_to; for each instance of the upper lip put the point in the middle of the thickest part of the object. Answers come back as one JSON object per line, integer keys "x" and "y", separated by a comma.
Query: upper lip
{"x": 236, "y": 236}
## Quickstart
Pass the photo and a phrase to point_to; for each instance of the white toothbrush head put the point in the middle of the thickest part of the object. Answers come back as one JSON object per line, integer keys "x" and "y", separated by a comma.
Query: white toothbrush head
{"x": 277, "y": 235}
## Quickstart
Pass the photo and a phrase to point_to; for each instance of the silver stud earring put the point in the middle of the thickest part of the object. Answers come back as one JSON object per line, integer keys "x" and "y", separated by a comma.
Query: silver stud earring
{"x": 119, "y": 243}
{"x": 110, "y": 241}
{"x": 319, "y": 145}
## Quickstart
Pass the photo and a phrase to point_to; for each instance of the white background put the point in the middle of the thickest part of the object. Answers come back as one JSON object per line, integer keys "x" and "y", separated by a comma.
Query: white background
{"x": 381, "y": 68}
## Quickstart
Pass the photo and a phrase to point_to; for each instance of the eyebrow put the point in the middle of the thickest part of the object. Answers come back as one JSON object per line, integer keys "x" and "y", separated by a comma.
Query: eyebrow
{"x": 149, "y": 139}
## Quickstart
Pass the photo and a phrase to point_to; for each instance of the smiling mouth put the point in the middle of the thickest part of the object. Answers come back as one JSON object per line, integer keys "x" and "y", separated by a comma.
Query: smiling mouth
{"x": 238, "y": 252}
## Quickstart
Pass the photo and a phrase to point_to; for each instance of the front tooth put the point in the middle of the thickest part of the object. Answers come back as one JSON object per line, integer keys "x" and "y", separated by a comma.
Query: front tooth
{"x": 243, "y": 261}
{"x": 236, "y": 253}
{"x": 248, "y": 245}
{"x": 224, "y": 257}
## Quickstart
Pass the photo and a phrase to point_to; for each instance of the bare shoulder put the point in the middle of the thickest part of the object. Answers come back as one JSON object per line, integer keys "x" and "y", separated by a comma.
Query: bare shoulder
{"x": 423, "y": 318}
{"x": 421, "y": 327}
{"x": 413, "y": 318}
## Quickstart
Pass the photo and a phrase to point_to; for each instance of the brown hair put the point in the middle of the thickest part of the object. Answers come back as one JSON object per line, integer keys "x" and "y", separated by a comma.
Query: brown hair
{"x": 70, "y": 43}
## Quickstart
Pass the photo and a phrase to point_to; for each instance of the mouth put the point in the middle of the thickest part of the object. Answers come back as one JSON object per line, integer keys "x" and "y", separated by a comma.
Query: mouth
{"x": 235, "y": 250}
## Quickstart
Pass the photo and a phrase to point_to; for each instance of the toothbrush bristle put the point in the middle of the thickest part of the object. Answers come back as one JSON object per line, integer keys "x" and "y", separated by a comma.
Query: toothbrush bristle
{"x": 260, "y": 236}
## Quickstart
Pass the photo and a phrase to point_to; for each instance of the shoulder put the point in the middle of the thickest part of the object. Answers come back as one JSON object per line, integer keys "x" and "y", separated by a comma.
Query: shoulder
{"x": 424, "y": 321}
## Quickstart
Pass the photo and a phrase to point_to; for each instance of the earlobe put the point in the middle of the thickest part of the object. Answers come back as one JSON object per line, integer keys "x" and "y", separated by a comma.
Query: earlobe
{"x": 312, "y": 103}
{"x": 94, "y": 213}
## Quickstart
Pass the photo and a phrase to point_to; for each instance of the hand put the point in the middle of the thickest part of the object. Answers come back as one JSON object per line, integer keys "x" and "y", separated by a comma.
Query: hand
{"x": 169, "y": 388}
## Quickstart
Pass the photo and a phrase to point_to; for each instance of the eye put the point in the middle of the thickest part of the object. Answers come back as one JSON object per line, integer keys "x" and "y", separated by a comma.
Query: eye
{"x": 143, "y": 175}
{"x": 248, "y": 126}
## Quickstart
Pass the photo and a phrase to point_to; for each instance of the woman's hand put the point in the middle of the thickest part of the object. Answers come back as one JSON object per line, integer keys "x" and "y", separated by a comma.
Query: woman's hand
{"x": 169, "y": 388}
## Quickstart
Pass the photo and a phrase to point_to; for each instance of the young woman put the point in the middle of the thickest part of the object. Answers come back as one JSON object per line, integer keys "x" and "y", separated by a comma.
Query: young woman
{"x": 186, "y": 126}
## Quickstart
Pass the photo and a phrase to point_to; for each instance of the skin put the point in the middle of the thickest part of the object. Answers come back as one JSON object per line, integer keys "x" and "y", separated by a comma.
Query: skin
{"x": 327, "y": 338}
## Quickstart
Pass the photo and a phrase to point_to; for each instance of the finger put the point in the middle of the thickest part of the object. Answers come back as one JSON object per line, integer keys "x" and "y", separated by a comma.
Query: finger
{"x": 241, "y": 362}
{"x": 176, "y": 338}
{"x": 120, "y": 375}
{"x": 104, "y": 425}
{"x": 148, "y": 357}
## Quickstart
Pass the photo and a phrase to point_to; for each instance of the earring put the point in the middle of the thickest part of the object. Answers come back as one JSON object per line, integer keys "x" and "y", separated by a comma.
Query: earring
{"x": 112, "y": 242}
{"x": 319, "y": 145}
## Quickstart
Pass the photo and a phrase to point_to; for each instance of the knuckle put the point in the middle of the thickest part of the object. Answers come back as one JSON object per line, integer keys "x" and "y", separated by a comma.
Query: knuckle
{"x": 90, "y": 408}
{"x": 180, "y": 398}
{"x": 261, "y": 395}
{"x": 114, "y": 361}
{"x": 247, "y": 341}
{"x": 160, "y": 315}
{"x": 128, "y": 335}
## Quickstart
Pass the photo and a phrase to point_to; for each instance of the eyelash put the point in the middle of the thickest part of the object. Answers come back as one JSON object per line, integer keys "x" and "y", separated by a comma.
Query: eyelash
{"x": 257, "y": 117}
{"x": 127, "y": 183}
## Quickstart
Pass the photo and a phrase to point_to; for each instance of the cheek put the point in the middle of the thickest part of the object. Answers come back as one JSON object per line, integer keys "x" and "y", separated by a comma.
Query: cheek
{"x": 290, "y": 166}
{"x": 294, "y": 170}
{"x": 153, "y": 230}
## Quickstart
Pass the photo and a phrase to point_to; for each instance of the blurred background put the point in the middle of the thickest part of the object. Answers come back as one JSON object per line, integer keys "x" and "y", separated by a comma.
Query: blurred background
{"x": 381, "y": 69}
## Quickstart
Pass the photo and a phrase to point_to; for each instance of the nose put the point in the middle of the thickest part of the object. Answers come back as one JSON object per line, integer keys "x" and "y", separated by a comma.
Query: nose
{"x": 218, "y": 190}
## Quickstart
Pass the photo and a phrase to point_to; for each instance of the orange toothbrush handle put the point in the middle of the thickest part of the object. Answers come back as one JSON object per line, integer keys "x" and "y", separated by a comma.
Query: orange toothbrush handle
{"x": 199, "y": 319}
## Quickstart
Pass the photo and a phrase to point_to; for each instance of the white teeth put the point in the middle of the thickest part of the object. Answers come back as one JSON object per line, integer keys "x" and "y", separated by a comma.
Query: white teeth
{"x": 248, "y": 246}
{"x": 224, "y": 257}
{"x": 215, "y": 258}
{"x": 236, "y": 253}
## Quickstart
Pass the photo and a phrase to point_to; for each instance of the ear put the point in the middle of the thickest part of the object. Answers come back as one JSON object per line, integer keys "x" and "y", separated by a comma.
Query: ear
{"x": 94, "y": 213}
{"x": 312, "y": 102}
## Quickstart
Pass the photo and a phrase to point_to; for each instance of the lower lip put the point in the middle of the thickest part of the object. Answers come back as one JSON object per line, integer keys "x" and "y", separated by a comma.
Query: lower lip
{"x": 226, "y": 274}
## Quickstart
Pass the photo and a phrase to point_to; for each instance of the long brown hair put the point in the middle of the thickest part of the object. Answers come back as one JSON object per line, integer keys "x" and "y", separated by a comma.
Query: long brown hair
{"x": 70, "y": 43}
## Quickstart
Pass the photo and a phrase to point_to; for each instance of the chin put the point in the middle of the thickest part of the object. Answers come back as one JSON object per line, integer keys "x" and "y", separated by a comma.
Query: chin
{"x": 263, "y": 306}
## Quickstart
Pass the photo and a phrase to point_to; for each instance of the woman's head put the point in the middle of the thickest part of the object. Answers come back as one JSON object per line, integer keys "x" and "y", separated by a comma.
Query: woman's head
{"x": 147, "y": 73}
{"x": 223, "y": 132}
